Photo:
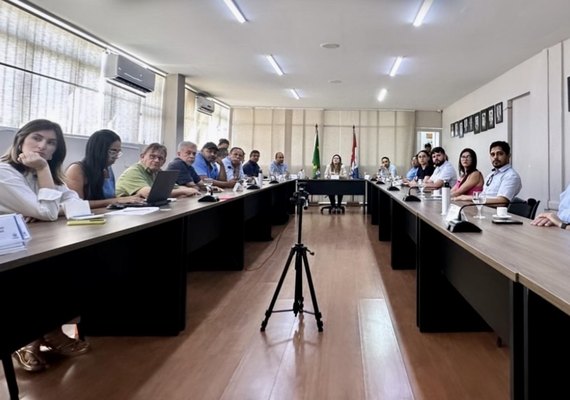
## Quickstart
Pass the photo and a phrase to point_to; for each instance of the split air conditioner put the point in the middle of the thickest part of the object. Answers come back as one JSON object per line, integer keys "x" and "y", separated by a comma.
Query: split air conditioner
{"x": 204, "y": 105}
{"x": 117, "y": 68}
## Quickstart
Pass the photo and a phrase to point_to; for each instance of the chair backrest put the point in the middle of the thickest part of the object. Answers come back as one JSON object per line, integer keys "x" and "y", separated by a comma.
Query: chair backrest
{"x": 524, "y": 208}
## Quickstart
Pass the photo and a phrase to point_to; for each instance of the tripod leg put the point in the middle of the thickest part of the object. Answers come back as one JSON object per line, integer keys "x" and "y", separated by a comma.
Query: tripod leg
{"x": 298, "y": 302}
{"x": 313, "y": 294}
{"x": 274, "y": 299}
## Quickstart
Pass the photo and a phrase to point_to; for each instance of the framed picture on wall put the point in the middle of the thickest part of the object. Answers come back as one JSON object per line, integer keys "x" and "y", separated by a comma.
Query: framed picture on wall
{"x": 483, "y": 120}
{"x": 470, "y": 119}
{"x": 477, "y": 122}
{"x": 452, "y": 130}
{"x": 461, "y": 131}
{"x": 465, "y": 125}
{"x": 499, "y": 112}
{"x": 456, "y": 128}
{"x": 491, "y": 117}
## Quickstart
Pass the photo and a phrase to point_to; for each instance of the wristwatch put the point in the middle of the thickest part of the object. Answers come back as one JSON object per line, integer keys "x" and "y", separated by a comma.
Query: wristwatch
{"x": 563, "y": 226}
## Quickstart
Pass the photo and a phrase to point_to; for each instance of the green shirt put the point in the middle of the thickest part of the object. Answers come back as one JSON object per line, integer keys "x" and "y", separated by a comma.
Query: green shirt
{"x": 134, "y": 179}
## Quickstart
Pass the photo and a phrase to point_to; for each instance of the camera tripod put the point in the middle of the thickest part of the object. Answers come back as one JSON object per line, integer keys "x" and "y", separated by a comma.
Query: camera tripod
{"x": 299, "y": 251}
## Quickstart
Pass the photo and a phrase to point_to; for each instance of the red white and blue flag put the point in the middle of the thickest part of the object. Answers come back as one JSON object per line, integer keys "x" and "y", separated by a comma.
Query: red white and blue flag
{"x": 354, "y": 158}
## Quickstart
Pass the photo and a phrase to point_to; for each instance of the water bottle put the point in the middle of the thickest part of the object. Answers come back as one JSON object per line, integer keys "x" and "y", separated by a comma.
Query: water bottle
{"x": 260, "y": 179}
{"x": 445, "y": 197}
{"x": 301, "y": 174}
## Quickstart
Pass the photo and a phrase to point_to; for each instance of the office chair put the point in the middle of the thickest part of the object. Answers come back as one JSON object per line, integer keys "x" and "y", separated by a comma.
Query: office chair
{"x": 333, "y": 210}
{"x": 524, "y": 208}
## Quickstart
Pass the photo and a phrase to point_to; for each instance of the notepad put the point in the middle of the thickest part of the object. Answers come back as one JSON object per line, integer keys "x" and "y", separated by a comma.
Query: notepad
{"x": 97, "y": 221}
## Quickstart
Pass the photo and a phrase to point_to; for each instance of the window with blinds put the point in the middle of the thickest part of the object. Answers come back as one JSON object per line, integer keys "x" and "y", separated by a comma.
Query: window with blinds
{"x": 47, "y": 72}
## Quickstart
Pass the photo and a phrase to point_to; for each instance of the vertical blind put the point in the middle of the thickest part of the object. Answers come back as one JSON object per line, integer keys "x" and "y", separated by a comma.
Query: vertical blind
{"x": 47, "y": 72}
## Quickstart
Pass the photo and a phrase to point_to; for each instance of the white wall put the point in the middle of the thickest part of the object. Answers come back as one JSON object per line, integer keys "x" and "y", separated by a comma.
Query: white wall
{"x": 542, "y": 77}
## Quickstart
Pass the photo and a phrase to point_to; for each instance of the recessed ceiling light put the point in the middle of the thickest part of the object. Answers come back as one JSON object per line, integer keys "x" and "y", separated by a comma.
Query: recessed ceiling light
{"x": 235, "y": 11}
{"x": 330, "y": 45}
{"x": 382, "y": 94}
{"x": 274, "y": 64}
{"x": 422, "y": 12}
{"x": 396, "y": 65}
{"x": 295, "y": 94}
{"x": 335, "y": 81}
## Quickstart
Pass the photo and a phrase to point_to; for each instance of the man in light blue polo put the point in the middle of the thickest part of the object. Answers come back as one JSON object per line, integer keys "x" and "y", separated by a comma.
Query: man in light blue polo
{"x": 205, "y": 163}
{"x": 278, "y": 166}
{"x": 233, "y": 164}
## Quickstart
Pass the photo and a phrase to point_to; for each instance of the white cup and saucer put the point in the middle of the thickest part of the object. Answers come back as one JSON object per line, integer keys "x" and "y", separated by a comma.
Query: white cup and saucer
{"x": 502, "y": 213}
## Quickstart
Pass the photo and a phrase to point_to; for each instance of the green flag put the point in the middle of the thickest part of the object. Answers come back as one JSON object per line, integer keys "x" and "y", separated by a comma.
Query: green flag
{"x": 316, "y": 156}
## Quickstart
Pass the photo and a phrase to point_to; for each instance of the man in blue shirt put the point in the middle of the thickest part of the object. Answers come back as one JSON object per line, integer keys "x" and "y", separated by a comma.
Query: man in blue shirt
{"x": 278, "y": 167}
{"x": 411, "y": 174}
{"x": 233, "y": 163}
{"x": 186, "y": 155}
{"x": 251, "y": 168}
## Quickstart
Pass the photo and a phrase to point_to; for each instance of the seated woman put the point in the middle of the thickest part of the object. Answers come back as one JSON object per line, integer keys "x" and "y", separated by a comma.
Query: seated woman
{"x": 32, "y": 185}
{"x": 92, "y": 178}
{"x": 425, "y": 167}
{"x": 336, "y": 170}
{"x": 470, "y": 178}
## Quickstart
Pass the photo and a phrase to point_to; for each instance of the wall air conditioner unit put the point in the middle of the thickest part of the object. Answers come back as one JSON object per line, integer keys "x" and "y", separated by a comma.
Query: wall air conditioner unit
{"x": 121, "y": 70}
{"x": 204, "y": 105}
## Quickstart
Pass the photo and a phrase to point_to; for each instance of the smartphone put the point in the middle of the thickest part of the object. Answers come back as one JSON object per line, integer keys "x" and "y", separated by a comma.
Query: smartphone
{"x": 507, "y": 222}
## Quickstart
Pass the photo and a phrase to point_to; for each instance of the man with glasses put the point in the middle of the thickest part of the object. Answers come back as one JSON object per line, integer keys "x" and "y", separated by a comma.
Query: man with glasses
{"x": 504, "y": 183}
{"x": 186, "y": 154}
{"x": 138, "y": 178}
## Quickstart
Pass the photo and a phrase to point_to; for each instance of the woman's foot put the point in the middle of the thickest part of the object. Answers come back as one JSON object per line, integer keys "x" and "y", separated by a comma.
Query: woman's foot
{"x": 29, "y": 357}
{"x": 59, "y": 343}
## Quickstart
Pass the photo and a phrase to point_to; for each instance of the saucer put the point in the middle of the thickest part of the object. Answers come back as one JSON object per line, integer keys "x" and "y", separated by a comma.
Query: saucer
{"x": 502, "y": 216}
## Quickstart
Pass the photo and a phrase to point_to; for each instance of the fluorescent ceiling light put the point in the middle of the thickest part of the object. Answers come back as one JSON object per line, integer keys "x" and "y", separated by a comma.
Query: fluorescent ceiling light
{"x": 274, "y": 64}
{"x": 422, "y": 12}
{"x": 295, "y": 94}
{"x": 235, "y": 11}
{"x": 396, "y": 65}
{"x": 382, "y": 94}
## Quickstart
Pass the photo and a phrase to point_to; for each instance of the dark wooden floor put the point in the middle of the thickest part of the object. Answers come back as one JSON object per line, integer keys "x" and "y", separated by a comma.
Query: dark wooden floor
{"x": 370, "y": 347}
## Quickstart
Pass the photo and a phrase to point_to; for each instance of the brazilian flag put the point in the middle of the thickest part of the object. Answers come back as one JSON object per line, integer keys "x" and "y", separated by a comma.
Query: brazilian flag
{"x": 316, "y": 156}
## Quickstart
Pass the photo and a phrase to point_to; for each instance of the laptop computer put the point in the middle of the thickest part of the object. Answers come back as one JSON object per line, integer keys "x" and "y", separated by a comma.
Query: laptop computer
{"x": 159, "y": 191}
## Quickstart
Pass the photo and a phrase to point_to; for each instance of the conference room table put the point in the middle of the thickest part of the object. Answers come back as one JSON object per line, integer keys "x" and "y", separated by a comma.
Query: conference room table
{"x": 513, "y": 279}
{"x": 127, "y": 276}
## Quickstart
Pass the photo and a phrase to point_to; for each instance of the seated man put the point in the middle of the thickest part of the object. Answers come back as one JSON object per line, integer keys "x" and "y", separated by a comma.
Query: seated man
{"x": 388, "y": 167}
{"x": 443, "y": 172}
{"x": 186, "y": 155}
{"x": 413, "y": 171}
{"x": 233, "y": 164}
{"x": 560, "y": 219}
{"x": 207, "y": 167}
{"x": 278, "y": 166}
{"x": 504, "y": 183}
{"x": 251, "y": 168}
{"x": 138, "y": 178}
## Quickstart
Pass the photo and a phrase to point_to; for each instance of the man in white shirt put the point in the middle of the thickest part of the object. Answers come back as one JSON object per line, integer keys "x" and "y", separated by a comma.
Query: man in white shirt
{"x": 444, "y": 171}
{"x": 561, "y": 218}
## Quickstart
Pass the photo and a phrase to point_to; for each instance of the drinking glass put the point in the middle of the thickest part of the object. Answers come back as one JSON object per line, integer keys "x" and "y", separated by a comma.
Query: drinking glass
{"x": 208, "y": 182}
{"x": 479, "y": 199}
{"x": 421, "y": 186}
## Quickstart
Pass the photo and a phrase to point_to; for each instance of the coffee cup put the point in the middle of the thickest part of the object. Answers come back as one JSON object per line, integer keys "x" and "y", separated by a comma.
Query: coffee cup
{"x": 502, "y": 211}
{"x": 436, "y": 193}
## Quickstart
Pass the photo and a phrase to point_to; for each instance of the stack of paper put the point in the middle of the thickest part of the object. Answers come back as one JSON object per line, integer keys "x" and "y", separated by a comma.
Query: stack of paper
{"x": 13, "y": 233}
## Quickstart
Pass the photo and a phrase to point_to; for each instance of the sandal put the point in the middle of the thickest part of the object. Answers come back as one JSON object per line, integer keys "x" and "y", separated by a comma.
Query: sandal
{"x": 30, "y": 358}
{"x": 60, "y": 343}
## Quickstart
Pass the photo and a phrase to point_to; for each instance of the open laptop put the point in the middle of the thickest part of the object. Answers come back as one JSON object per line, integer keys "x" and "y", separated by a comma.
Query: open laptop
{"x": 159, "y": 191}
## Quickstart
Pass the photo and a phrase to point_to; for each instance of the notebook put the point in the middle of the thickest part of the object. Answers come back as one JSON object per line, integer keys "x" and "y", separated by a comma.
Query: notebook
{"x": 159, "y": 191}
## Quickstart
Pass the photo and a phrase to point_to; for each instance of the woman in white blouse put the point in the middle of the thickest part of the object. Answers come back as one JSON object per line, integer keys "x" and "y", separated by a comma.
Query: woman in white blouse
{"x": 335, "y": 170}
{"x": 32, "y": 184}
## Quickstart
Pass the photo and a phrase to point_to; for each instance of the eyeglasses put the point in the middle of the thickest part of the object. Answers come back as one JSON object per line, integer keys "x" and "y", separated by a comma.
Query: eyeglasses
{"x": 490, "y": 179}
{"x": 115, "y": 153}
{"x": 156, "y": 157}
{"x": 466, "y": 157}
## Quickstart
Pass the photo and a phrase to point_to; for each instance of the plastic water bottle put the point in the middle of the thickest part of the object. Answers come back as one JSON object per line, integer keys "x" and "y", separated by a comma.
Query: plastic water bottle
{"x": 445, "y": 197}
{"x": 260, "y": 179}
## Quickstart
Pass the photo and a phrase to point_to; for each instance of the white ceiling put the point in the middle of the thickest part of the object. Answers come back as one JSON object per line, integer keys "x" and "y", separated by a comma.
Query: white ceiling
{"x": 462, "y": 45}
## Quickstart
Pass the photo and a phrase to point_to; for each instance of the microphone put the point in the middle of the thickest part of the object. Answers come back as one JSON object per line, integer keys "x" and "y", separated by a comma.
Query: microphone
{"x": 208, "y": 199}
{"x": 460, "y": 225}
{"x": 411, "y": 197}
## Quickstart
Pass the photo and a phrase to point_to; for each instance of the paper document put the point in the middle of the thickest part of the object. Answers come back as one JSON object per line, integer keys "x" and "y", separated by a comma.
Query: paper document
{"x": 134, "y": 211}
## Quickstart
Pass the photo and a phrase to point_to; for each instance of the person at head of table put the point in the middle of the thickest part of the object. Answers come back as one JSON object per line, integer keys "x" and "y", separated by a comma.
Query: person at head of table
{"x": 503, "y": 183}
{"x": 139, "y": 177}
{"x": 413, "y": 171}
{"x": 32, "y": 184}
{"x": 470, "y": 178}
{"x": 206, "y": 166}
{"x": 92, "y": 177}
{"x": 183, "y": 163}
{"x": 387, "y": 167}
{"x": 223, "y": 152}
{"x": 252, "y": 168}
{"x": 427, "y": 148}
{"x": 233, "y": 164}
{"x": 337, "y": 169}
{"x": 425, "y": 168}
{"x": 278, "y": 166}
{"x": 443, "y": 172}
{"x": 561, "y": 218}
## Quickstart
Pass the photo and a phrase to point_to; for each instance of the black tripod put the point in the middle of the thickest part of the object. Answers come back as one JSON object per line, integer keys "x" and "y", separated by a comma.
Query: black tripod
{"x": 300, "y": 198}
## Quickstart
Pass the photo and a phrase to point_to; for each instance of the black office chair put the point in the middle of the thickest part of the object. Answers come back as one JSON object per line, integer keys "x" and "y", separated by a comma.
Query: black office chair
{"x": 524, "y": 208}
{"x": 333, "y": 210}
